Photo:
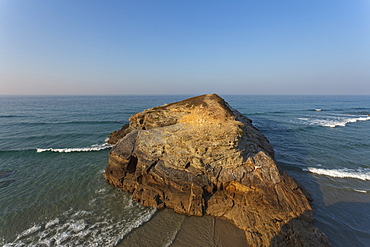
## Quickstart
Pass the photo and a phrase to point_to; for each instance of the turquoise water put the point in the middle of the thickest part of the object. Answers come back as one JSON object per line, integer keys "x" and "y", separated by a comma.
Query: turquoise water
{"x": 53, "y": 153}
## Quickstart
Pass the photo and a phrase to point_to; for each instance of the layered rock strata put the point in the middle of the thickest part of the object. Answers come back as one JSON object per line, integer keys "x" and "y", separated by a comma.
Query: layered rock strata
{"x": 200, "y": 156}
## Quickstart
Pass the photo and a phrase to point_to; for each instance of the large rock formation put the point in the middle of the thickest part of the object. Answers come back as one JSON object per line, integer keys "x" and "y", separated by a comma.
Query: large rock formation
{"x": 199, "y": 156}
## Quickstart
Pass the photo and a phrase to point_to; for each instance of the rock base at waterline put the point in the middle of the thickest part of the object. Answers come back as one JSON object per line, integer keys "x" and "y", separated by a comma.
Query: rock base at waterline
{"x": 201, "y": 157}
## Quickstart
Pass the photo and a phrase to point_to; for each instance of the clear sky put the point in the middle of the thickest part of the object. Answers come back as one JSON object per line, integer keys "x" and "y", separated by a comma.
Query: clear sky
{"x": 184, "y": 47}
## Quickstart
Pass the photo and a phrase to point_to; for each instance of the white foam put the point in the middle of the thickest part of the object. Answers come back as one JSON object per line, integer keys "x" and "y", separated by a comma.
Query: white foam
{"x": 77, "y": 226}
{"x": 101, "y": 191}
{"x": 81, "y": 213}
{"x": 172, "y": 239}
{"x": 318, "y": 110}
{"x": 95, "y": 147}
{"x": 81, "y": 228}
{"x": 333, "y": 122}
{"x": 52, "y": 223}
{"x": 360, "y": 191}
{"x": 29, "y": 231}
{"x": 139, "y": 222}
{"x": 360, "y": 173}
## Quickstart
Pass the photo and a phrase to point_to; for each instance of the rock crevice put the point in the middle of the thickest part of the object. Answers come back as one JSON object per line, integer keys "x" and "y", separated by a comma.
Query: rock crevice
{"x": 200, "y": 156}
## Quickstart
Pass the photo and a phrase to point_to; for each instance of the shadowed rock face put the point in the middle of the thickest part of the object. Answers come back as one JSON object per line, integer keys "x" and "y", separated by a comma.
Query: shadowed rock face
{"x": 199, "y": 156}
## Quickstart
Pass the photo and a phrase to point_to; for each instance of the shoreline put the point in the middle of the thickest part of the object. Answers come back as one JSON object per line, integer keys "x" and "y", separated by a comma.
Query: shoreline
{"x": 167, "y": 228}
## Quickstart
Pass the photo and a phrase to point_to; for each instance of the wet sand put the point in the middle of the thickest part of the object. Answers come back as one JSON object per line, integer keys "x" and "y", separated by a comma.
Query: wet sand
{"x": 167, "y": 228}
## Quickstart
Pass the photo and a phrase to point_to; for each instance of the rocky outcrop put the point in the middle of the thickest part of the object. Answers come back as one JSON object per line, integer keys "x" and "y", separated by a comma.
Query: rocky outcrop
{"x": 199, "y": 156}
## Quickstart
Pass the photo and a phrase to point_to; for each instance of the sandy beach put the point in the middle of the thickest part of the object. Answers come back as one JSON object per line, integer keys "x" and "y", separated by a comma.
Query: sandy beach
{"x": 168, "y": 228}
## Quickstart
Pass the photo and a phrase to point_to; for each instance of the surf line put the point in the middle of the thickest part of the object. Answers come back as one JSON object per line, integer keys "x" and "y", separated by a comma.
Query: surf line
{"x": 95, "y": 147}
{"x": 335, "y": 122}
{"x": 362, "y": 174}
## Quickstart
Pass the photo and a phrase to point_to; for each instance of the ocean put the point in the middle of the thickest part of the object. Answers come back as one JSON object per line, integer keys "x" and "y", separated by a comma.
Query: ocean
{"x": 53, "y": 153}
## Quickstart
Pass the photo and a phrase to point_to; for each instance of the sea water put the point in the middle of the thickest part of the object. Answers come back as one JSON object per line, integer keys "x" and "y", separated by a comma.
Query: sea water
{"x": 53, "y": 152}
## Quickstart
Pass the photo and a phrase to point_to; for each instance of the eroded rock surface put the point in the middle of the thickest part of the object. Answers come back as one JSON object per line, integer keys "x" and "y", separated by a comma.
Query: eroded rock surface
{"x": 199, "y": 156}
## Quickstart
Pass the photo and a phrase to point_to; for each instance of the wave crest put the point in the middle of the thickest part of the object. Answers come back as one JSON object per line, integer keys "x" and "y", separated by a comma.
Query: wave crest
{"x": 81, "y": 228}
{"x": 335, "y": 122}
{"x": 95, "y": 147}
{"x": 360, "y": 173}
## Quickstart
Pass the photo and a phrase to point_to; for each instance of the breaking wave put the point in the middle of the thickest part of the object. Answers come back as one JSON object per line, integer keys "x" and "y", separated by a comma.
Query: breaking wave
{"x": 81, "y": 228}
{"x": 95, "y": 147}
{"x": 360, "y": 173}
{"x": 360, "y": 191}
{"x": 334, "y": 121}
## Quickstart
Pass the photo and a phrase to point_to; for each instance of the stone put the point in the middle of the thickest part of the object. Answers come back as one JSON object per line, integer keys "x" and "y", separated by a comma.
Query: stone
{"x": 201, "y": 157}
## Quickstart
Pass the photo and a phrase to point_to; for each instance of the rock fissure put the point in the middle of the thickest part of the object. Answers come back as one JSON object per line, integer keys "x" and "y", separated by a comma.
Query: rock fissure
{"x": 200, "y": 156}
{"x": 131, "y": 166}
{"x": 151, "y": 166}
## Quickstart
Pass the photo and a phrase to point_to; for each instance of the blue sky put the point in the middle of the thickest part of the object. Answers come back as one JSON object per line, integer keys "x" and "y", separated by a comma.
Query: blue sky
{"x": 184, "y": 47}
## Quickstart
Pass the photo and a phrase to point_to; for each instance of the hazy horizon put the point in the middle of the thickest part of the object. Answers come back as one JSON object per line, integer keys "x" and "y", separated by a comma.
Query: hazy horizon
{"x": 184, "y": 47}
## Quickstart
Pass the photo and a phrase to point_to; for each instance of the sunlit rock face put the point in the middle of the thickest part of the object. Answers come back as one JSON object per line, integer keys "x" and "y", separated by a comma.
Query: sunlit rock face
{"x": 200, "y": 156}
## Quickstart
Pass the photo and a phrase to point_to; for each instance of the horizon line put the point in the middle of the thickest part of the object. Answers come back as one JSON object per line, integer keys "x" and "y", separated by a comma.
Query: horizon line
{"x": 171, "y": 94}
